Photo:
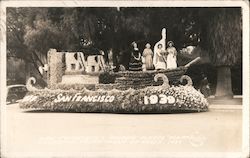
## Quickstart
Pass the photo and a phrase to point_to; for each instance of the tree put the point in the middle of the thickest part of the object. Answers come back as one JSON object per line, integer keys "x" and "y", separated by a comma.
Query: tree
{"x": 15, "y": 33}
{"x": 30, "y": 34}
{"x": 16, "y": 21}
{"x": 223, "y": 40}
{"x": 40, "y": 38}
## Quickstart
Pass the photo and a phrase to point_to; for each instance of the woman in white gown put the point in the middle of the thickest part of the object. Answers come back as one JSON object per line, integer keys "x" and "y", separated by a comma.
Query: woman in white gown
{"x": 171, "y": 58}
{"x": 159, "y": 59}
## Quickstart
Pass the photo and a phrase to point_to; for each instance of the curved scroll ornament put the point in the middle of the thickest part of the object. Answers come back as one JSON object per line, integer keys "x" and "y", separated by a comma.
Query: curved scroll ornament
{"x": 29, "y": 84}
{"x": 188, "y": 79}
{"x": 164, "y": 79}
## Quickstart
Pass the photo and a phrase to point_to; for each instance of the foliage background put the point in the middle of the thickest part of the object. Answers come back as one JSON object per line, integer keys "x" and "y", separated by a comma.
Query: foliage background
{"x": 217, "y": 31}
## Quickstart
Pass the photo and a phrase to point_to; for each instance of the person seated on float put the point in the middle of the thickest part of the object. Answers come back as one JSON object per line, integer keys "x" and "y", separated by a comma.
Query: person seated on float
{"x": 148, "y": 57}
{"x": 160, "y": 62}
{"x": 135, "y": 63}
{"x": 171, "y": 57}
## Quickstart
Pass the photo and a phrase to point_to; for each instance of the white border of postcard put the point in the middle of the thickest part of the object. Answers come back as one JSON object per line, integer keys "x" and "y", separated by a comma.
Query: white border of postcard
{"x": 127, "y": 3}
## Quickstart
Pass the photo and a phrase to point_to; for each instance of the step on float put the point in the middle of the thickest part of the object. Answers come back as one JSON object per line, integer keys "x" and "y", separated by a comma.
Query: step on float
{"x": 153, "y": 97}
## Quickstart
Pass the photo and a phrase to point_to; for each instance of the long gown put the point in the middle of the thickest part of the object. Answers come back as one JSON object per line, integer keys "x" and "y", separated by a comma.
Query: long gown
{"x": 148, "y": 55}
{"x": 171, "y": 58}
{"x": 159, "y": 61}
{"x": 135, "y": 65}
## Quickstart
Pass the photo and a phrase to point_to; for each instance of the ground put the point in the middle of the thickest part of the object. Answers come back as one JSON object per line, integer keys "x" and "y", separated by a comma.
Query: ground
{"x": 33, "y": 134}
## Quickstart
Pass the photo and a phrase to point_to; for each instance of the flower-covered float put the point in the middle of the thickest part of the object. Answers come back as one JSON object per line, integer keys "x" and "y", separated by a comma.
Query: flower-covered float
{"x": 156, "y": 96}
{"x": 74, "y": 85}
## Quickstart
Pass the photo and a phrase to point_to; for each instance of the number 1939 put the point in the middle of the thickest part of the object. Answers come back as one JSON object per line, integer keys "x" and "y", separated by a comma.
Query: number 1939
{"x": 161, "y": 99}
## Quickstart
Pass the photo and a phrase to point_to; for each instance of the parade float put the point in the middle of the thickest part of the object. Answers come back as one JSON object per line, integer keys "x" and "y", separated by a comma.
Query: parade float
{"x": 77, "y": 84}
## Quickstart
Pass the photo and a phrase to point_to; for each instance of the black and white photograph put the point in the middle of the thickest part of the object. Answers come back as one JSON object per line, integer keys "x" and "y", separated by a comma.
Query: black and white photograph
{"x": 124, "y": 79}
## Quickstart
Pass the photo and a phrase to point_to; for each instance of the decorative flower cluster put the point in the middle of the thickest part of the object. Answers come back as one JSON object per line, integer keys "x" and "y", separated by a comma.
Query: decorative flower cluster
{"x": 188, "y": 96}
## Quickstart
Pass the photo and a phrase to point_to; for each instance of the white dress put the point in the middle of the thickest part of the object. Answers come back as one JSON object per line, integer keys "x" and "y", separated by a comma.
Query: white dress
{"x": 171, "y": 58}
{"x": 158, "y": 60}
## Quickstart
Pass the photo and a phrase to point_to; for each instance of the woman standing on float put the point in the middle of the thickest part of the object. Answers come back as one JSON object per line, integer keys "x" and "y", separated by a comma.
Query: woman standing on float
{"x": 159, "y": 59}
{"x": 148, "y": 56}
{"x": 135, "y": 63}
{"x": 160, "y": 62}
{"x": 171, "y": 57}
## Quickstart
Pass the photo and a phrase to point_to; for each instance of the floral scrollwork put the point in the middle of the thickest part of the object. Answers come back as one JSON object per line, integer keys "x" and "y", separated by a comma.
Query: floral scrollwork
{"x": 164, "y": 79}
{"x": 188, "y": 79}
{"x": 29, "y": 84}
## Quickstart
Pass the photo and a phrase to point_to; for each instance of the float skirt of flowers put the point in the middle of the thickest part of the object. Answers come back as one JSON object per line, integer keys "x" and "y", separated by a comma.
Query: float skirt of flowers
{"x": 153, "y": 99}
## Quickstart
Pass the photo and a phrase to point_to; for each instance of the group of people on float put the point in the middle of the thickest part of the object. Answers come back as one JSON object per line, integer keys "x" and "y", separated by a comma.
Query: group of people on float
{"x": 160, "y": 59}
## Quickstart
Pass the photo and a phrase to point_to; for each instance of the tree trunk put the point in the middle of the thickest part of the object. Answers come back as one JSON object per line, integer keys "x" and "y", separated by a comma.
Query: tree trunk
{"x": 224, "y": 84}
